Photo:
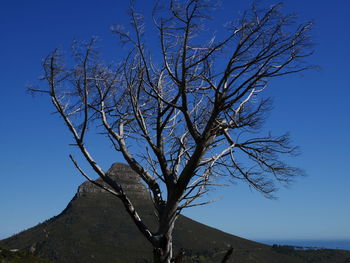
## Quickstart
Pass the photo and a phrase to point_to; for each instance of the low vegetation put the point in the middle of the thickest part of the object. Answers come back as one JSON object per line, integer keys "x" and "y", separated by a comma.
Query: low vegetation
{"x": 19, "y": 256}
{"x": 314, "y": 255}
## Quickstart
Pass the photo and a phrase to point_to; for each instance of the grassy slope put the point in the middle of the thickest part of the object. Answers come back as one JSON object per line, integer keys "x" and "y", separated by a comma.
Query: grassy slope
{"x": 7, "y": 256}
{"x": 95, "y": 228}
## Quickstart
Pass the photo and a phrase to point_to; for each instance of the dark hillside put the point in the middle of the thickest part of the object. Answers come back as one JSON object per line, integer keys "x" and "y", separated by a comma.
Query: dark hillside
{"x": 94, "y": 228}
{"x": 15, "y": 256}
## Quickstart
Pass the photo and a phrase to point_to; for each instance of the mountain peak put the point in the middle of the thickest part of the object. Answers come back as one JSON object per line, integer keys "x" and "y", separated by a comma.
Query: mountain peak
{"x": 95, "y": 228}
{"x": 123, "y": 175}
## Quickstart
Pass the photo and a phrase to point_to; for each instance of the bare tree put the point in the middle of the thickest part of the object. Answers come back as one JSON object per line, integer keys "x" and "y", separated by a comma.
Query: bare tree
{"x": 194, "y": 103}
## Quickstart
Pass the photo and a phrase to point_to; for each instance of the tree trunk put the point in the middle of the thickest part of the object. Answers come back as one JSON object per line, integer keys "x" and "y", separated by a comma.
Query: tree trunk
{"x": 164, "y": 253}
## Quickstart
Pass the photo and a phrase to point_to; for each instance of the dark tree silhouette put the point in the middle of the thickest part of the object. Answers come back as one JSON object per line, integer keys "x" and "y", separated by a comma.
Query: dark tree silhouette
{"x": 194, "y": 103}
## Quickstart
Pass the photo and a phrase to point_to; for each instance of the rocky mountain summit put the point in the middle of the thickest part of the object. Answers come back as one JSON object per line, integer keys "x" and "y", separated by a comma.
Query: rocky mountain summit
{"x": 123, "y": 175}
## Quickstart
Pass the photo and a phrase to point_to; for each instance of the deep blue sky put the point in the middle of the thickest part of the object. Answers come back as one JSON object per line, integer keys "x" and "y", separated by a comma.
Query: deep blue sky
{"x": 37, "y": 179}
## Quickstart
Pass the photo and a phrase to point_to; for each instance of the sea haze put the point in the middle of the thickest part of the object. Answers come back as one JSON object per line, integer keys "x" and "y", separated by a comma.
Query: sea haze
{"x": 331, "y": 244}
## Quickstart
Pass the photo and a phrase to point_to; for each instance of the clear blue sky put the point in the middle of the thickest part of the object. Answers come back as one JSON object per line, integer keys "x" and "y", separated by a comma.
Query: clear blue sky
{"x": 37, "y": 179}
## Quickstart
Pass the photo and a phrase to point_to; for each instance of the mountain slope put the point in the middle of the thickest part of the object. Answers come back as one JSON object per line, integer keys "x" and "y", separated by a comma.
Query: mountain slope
{"x": 95, "y": 228}
{"x": 8, "y": 256}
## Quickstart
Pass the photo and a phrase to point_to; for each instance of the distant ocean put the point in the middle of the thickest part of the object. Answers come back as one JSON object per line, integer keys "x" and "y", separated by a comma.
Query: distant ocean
{"x": 331, "y": 244}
